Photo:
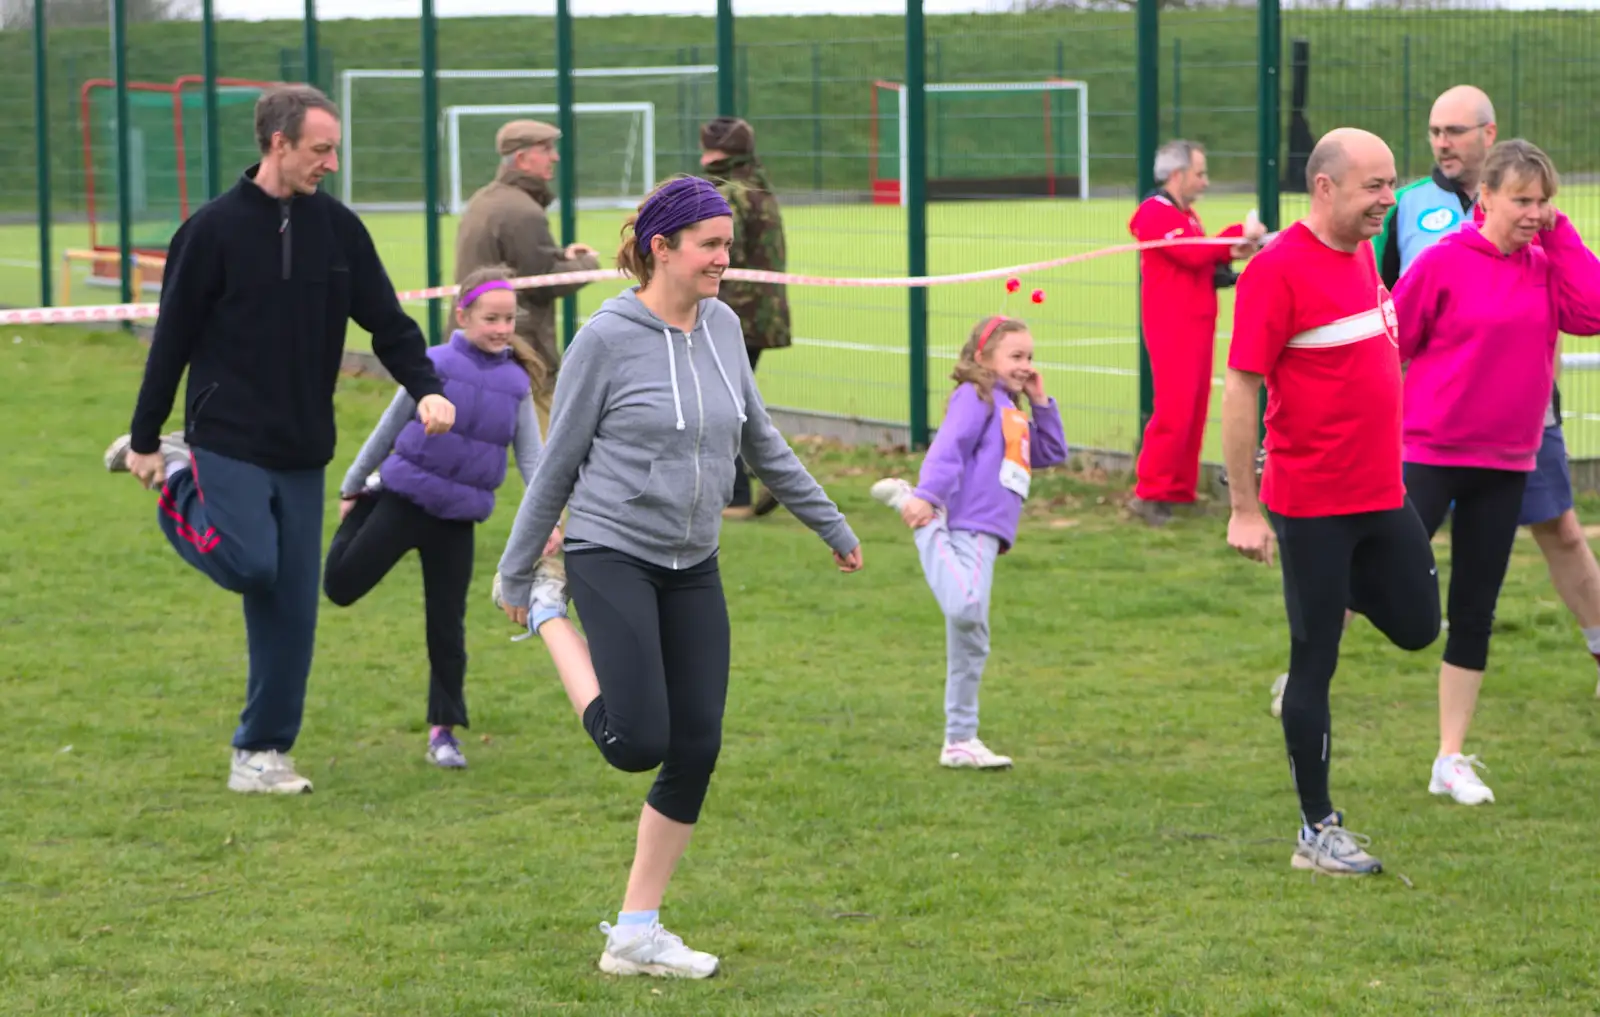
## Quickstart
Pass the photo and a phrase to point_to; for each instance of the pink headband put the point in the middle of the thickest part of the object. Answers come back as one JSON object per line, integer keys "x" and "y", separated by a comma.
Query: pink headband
{"x": 478, "y": 291}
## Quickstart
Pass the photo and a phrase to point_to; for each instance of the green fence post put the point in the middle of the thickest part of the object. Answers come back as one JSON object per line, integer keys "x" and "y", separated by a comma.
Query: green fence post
{"x": 569, "y": 156}
{"x": 1269, "y": 127}
{"x": 312, "y": 60}
{"x": 917, "y": 214}
{"x": 119, "y": 64}
{"x": 41, "y": 128}
{"x": 725, "y": 60}
{"x": 1516, "y": 75}
{"x": 1405, "y": 107}
{"x": 430, "y": 162}
{"x": 1177, "y": 88}
{"x": 1148, "y": 33}
{"x": 208, "y": 67}
{"x": 816, "y": 116}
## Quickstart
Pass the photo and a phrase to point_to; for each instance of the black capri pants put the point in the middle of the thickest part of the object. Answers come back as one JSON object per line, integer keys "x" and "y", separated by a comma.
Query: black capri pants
{"x": 1482, "y": 530}
{"x": 659, "y": 641}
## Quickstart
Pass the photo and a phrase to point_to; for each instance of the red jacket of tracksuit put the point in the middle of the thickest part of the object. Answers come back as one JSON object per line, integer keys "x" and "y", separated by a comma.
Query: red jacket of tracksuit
{"x": 1178, "y": 308}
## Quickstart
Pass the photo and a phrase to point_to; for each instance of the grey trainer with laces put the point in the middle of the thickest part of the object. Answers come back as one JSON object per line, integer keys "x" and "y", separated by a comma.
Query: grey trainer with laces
{"x": 1329, "y": 848}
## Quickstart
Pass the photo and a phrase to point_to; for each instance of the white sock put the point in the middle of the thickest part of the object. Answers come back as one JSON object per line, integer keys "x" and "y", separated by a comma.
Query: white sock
{"x": 1592, "y": 637}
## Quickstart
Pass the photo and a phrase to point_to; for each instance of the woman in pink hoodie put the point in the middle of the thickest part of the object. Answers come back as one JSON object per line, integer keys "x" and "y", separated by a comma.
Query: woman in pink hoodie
{"x": 1479, "y": 317}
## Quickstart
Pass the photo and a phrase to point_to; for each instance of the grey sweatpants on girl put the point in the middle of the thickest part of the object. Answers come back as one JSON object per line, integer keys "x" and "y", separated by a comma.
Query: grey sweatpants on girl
{"x": 959, "y": 566}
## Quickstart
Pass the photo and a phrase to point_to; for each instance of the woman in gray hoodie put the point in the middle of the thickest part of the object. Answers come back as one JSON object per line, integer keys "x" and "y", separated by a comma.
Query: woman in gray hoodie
{"x": 654, "y": 403}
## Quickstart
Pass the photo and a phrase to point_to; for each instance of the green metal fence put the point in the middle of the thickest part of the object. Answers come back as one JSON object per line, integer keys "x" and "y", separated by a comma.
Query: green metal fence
{"x": 898, "y": 146}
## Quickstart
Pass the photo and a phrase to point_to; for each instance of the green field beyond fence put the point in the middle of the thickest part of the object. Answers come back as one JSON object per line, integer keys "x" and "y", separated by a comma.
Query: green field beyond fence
{"x": 823, "y": 95}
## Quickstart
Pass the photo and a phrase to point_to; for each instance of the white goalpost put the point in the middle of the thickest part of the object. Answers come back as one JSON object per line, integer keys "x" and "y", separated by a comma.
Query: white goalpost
{"x": 533, "y": 85}
{"x": 634, "y": 170}
{"x": 893, "y": 187}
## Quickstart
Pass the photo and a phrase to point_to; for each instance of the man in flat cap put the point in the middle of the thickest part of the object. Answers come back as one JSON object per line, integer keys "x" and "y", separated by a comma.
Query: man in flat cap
{"x": 728, "y": 157}
{"x": 505, "y": 223}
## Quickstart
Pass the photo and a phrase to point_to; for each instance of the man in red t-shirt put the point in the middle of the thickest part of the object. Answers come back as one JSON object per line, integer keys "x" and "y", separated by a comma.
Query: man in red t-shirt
{"x": 1178, "y": 309}
{"x": 1313, "y": 319}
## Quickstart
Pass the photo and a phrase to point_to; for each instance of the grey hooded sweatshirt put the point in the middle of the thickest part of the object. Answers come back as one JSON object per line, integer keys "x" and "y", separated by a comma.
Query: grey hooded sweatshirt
{"x": 645, "y": 424}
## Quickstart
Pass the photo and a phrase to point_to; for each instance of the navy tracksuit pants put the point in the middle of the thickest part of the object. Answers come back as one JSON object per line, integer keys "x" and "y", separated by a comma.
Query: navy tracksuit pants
{"x": 258, "y": 533}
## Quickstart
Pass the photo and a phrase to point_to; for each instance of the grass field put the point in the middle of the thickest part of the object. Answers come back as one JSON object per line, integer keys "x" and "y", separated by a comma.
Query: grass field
{"x": 850, "y": 356}
{"x": 1135, "y": 861}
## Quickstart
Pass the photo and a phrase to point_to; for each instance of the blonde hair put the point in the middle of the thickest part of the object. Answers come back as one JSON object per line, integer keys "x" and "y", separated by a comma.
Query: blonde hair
{"x": 629, "y": 260}
{"x": 521, "y": 350}
{"x": 969, "y": 369}
{"x": 1522, "y": 160}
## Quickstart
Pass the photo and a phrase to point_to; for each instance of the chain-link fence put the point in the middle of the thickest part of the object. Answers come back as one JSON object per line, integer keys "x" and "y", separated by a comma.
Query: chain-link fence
{"x": 1033, "y": 129}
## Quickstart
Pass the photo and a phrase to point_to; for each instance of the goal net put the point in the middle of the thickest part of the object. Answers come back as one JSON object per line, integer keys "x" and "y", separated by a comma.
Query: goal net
{"x": 381, "y": 167}
{"x": 616, "y": 166}
{"x": 1002, "y": 139}
{"x": 167, "y": 155}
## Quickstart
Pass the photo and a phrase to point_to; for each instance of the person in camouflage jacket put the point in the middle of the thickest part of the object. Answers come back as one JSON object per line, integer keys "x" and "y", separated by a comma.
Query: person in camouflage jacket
{"x": 729, "y": 160}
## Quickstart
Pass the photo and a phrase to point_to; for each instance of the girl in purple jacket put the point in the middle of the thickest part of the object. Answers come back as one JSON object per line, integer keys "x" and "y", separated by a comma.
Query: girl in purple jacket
{"x": 967, "y": 502}
{"x": 429, "y": 493}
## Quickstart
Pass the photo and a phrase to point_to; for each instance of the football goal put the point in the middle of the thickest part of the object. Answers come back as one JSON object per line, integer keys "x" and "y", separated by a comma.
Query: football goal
{"x": 168, "y": 153}
{"x": 381, "y": 168}
{"x": 617, "y": 142}
{"x": 999, "y": 139}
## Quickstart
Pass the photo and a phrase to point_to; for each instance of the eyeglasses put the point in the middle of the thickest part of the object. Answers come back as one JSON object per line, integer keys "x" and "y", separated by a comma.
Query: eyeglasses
{"x": 1454, "y": 130}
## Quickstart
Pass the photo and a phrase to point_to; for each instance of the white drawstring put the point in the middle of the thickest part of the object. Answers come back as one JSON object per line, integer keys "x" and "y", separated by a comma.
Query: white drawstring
{"x": 737, "y": 405}
{"x": 672, "y": 366}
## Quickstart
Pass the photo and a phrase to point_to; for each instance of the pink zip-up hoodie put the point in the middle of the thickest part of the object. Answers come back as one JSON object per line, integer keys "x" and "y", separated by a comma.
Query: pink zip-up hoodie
{"x": 1479, "y": 330}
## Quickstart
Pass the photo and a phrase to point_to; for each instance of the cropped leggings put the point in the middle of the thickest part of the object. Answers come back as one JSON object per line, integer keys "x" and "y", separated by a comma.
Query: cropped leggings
{"x": 1483, "y": 528}
{"x": 659, "y": 641}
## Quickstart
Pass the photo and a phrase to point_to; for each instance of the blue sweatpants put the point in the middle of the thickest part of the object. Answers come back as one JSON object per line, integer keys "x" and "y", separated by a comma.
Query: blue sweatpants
{"x": 258, "y": 533}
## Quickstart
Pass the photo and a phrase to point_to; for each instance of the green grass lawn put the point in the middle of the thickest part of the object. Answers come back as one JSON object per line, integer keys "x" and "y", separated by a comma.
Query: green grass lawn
{"x": 1135, "y": 861}
{"x": 850, "y": 356}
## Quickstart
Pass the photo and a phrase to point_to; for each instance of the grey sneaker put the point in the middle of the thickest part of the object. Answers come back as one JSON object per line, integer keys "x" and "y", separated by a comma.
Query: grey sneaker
{"x": 173, "y": 449}
{"x": 269, "y": 772}
{"x": 1329, "y": 848}
{"x": 1151, "y": 513}
{"x": 444, "y": 751}
{"x": 652, "y": 950}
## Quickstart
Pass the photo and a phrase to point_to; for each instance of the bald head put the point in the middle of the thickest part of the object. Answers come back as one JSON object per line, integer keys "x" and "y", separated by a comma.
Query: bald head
{"x": 1461, "y": 129}
{"x": 1341, "y": 150}
{"x": 1350, "y": 177}
{"x": 1463, "y": 104}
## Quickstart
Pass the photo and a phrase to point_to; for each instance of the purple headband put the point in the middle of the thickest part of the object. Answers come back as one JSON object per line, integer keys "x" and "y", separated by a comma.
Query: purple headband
{"x": 683, "y": 202}
{"x": 478, "y": 291}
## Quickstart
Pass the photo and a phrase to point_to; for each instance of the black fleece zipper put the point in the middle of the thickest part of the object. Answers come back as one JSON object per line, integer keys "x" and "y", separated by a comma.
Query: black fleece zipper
{"x": 283, "y": 232}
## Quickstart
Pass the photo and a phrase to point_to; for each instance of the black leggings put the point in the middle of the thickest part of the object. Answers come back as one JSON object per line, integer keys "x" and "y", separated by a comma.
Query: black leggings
{"x": 372, "y": 539}
{"x": 1378, "y": 564}
{"x": 1482, "y": 529}
{"x": 659, "y": 642}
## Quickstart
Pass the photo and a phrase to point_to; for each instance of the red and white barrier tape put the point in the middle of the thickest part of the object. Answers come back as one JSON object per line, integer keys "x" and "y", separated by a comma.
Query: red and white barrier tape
{"x": 137, "y": 312}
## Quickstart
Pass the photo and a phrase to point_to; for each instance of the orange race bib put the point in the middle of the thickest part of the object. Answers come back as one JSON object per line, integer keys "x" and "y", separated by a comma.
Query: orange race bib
{"x": 1016, "y": 470}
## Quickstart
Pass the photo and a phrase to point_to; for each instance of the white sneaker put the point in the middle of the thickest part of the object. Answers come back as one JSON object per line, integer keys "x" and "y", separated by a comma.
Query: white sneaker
{"x": 892, "y": 491}
{"x": 1329, "y": 847}
{"x": 1278, "y": 685}
{"x": 973, "y": 755}
{"x": 654, "y": 951}
{"x": 1455, "y": 776}
{"x": 269, "y": 772}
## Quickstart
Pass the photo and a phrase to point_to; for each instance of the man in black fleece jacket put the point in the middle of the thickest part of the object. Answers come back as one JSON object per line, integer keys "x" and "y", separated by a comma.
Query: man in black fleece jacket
{"x": 258, "y": 290}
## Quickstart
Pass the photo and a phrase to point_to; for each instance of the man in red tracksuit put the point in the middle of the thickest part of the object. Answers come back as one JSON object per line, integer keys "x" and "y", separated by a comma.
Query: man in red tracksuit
{"x": 1178, "y": 300}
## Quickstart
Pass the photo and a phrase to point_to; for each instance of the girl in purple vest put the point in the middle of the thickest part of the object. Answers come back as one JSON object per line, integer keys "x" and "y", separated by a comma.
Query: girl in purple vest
{"x": 430, "y": 492}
